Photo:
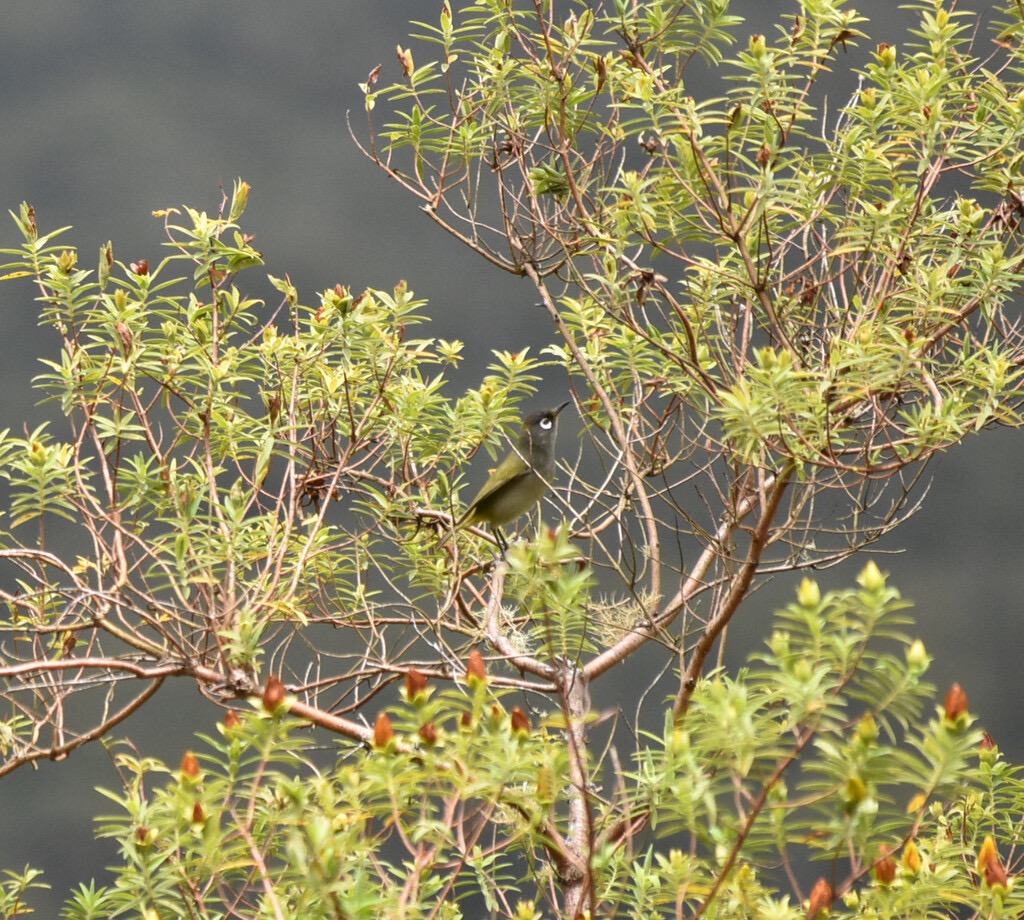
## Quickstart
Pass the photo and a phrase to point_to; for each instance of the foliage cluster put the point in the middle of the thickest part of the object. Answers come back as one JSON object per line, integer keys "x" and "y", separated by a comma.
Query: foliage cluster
{"x": 770, "y": 317}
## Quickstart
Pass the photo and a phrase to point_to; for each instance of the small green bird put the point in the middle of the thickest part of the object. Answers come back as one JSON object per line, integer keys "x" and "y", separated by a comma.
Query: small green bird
{"x": 521, "y": 479}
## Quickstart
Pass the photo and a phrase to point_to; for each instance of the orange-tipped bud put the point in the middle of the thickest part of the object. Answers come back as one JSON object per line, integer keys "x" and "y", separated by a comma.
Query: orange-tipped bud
{"x": 232, "y": 719}
{"x": 990, "y": 866}
{"x": 428, "y": 734}
{"x": 987, "y": 853}
{"x": 520, "y": 721}
{"x": 198, "y": 813}
{"x": 476, "y": 669}
{"x": 956, "y": 704}
{"x": 415, "y": 683}
{"x": 273, "y": 694}
{"x": 995, "y": 875}
{"x": 911, "y": 859}
{"x": 190, "y": 765}
{"x": 820, "y": 902}
{"x": 885, "y": 868}
{"x": 382, "y": 731}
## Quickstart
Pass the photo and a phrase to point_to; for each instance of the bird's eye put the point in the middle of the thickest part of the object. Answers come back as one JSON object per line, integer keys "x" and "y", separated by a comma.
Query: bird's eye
{"x": 547, "y": 423}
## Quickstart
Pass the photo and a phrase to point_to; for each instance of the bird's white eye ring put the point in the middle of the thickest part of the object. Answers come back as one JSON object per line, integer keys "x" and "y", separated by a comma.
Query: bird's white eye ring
{"x": 547, "y": 423}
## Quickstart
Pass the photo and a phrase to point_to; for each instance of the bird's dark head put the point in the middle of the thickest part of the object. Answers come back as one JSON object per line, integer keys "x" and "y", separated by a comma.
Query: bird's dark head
{"x": 537, "y": 439}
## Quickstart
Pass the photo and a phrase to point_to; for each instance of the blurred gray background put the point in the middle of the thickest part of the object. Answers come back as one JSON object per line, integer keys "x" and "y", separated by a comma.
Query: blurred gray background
{"x": 113, "y": 108}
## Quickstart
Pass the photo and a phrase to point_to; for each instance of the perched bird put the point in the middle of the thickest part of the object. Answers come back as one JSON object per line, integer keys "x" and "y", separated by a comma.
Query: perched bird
{"x": 521, "y": 479}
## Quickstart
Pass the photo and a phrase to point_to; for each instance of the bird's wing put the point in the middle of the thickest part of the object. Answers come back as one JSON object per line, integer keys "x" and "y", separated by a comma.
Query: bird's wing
{"x": 488, "y": 490}
{"x": 497, "y": 481}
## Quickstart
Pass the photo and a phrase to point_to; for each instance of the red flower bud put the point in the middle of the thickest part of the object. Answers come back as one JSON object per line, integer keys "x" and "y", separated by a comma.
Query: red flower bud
{"x": 956, "y": 703}
{"x": 190, "y": 765}
{"x": 273, "y": 694}
{"x": 885, "y": 868}
{"x": 415, "y": 683}
{"x": 520, "y": 721}
{"x": 382, "y": 731}
{"x": 820, "y": 900}
{"x": 475, "y": 667}
{"x": 991, "y": 866}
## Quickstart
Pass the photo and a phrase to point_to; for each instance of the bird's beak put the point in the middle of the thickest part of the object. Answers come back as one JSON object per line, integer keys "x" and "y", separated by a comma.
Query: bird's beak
{"x": 558, "y": 411}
